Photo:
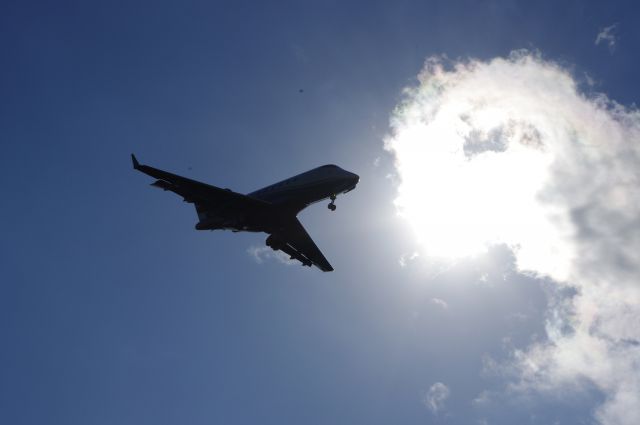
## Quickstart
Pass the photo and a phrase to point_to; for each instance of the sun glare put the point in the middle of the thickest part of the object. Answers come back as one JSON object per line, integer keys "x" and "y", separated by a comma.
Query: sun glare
{"x": 458, "y": 206}
{"x": 472, "y": 166}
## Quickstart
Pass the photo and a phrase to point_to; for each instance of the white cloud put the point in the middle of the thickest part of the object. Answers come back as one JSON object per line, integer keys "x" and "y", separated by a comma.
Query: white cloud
{"x": 440, "y": 303}
{"x": 509, "y": 151}
{"x": 435, "y": 398}
{"x": 264, "y": 253}
{"x": 482, "y": 399}
{"x": 607, "y": 35}
{"x": 405, "y": 258}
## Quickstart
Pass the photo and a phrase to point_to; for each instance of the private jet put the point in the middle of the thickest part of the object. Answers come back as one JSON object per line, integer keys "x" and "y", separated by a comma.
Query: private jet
{"x": 272, "y": 209}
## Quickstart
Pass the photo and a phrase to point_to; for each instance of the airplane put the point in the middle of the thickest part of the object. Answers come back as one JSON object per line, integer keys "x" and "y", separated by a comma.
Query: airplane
{"x": 272, "y": 209}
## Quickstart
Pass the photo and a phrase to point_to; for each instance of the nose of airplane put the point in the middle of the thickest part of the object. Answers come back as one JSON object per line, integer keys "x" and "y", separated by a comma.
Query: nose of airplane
{"x": 354, "y": 178}
{"x": 350, "y": 180}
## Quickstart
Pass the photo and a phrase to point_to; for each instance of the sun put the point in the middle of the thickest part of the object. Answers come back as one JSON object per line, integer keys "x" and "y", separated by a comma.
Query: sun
{"x": 458, "y": 206}
{"x": 471, "y": 169}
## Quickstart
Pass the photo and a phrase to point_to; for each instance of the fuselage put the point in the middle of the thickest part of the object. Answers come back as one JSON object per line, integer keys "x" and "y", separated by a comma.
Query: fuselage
{"x": 304, "y": 189}
{"x": 285, "y": 199}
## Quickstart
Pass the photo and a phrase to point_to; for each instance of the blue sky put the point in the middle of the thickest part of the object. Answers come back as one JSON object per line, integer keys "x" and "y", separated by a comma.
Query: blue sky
{"x": 114, "y": 310}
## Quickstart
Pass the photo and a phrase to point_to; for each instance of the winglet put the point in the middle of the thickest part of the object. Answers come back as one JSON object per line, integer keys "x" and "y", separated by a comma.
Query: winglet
{"x": 136, "y": 164}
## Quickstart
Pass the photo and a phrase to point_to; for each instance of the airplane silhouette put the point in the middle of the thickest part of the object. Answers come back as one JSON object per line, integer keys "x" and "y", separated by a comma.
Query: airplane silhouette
{"x": 272, "y": 209}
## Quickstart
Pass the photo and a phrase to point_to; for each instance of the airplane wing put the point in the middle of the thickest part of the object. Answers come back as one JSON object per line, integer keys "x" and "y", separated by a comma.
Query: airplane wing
{"x": 299, "y": 245}
{"x": 198, "y": 192}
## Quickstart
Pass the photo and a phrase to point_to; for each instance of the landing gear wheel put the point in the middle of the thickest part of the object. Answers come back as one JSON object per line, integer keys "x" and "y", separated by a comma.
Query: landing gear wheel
{"x": 331, "y": 205}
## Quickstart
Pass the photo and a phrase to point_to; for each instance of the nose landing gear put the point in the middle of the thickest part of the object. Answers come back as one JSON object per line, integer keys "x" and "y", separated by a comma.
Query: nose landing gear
{"x": 332, "y": 205}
